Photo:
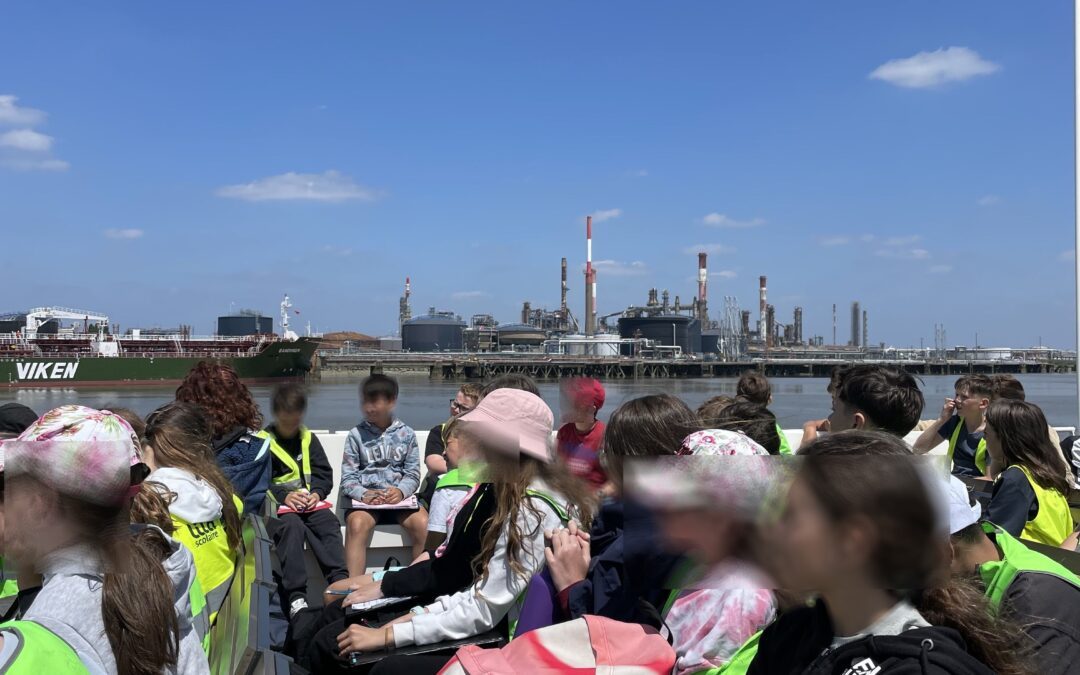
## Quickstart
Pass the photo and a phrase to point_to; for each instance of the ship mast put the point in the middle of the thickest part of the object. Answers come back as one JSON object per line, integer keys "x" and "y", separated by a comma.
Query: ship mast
{"x": 287, "y": 334}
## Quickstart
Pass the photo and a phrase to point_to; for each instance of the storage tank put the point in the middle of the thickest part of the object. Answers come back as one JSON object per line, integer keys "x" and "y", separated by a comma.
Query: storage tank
{"x": 441, "y": 332}
{"x": 665, "y": 329}
{"x": 520, "y": 335}
{"x": 710, "y": 342}
{"x": 238, "y": 325}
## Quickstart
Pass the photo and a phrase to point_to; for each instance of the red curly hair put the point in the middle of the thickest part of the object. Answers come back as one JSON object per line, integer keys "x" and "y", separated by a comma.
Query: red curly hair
{"x": 217, "y": 389}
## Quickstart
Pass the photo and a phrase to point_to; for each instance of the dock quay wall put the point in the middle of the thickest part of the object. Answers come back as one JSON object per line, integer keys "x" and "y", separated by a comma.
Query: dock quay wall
{"x": 485, "y": 366}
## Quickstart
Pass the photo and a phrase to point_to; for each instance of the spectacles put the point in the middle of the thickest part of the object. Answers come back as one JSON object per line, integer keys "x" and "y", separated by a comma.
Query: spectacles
{"x": 454, "y": 405}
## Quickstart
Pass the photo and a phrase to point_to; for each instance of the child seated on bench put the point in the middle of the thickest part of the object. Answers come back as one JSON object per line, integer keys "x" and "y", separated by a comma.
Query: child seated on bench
{"x": 380, "y": 471}
{"x": 529, "y": 492}
{"x": 301, "y": 478}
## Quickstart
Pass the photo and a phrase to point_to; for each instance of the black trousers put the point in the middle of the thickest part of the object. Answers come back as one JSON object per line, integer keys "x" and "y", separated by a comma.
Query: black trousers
{"x": 421, "y": 664}
{"x": 322, "y": 531}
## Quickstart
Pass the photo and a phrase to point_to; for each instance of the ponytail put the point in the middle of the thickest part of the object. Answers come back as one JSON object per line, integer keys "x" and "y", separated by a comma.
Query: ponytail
{"x": 998, "y": 643}
{"x": 137, "y": 607}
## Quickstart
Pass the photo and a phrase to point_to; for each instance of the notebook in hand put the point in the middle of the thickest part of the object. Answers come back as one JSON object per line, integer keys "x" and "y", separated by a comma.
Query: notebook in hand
{"x": 375, "y": 604}
{"x": 283, "y": 509}
{"x": 409, "y": 502}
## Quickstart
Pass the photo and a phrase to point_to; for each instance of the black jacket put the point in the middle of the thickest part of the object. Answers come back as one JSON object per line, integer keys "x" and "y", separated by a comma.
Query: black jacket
{"x": 1048, "y": 609}
{"x": 322, "y": 475}
{"x": 453, "y": 571}
{"x": 798, "y": 642}
{"x": 629, "y": 564}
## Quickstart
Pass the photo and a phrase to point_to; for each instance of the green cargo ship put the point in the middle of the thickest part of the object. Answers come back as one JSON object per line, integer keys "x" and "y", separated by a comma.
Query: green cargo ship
{"x": 85, "y": 361}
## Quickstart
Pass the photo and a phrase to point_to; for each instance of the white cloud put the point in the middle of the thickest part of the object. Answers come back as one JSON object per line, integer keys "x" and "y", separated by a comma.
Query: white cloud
{"x": 26, "y": 139}
{"x": 902, "y": 241}
{"x": 14, "y": 115}
{"x": 720, "y": 220}
{"x": 903, "y": 253}
{"x": 641, "y": 173}
{"x": 24, "y": 149}
{"x": 835, "y": 241}
{"x": 931, "y": 69}
{"x": 601, "y": 216}
{"x": 711, "y": 249}
{"x": 329, "y": 186}
{"x": 940, "y": 269}
{"x": 724, "y": 274}
{"x": 469, "y": 295}
{"x": 615, "y": 268}
{"x": 867, "y": 238}
{"x": 988, "y": 200}
{"x": 28, "y": 164}
{"x": 130, "y": 233}
{"x": 1068, "y": 255}
{"x": 339, "y": 251}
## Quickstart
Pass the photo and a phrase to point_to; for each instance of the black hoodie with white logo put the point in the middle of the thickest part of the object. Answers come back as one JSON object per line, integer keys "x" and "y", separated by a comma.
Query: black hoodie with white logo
{"x": 799, "y": 642}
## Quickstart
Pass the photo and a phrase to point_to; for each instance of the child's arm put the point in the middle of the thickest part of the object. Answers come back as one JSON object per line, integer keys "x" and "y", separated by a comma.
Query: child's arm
{"x": 352, "y": 465}
{"x": 410, "y": 479}
{"x": 322, "y": 474}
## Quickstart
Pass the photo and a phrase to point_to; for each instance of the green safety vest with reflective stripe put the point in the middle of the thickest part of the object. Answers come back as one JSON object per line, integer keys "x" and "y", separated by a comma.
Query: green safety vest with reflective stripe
{"x": 40, "y": 651}
{"x": 980, "y": 450}
{"x": 298, "y": 476}
{"x": 1016, "y": 559}
{"x": 785, "y": 447}
{"x": 8, "y": 587}
{"x": 1054, "y": 521}
{"x": 452, "y": 479}
{"x": 200, "y": 614}
{"x": 215, "y": 562}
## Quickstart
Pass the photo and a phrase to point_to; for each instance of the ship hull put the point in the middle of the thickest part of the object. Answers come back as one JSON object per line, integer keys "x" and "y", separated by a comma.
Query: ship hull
{"x": 277, "y": 361}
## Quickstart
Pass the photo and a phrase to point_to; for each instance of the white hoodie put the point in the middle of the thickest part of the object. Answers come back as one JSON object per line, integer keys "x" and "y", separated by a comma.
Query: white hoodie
{"x": 196, "y": 500}
{"x": 481, "y": 606}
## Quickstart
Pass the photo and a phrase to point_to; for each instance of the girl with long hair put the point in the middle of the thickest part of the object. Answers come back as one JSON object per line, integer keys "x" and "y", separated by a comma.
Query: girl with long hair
{"x": 1030, "y": 494}
{"x": 240, "y": 446}
{"x": 510, "y": 431}
{"x": 107, "y": 603}
{"x": 205, "y": 512}
{"x": 862, "y": 532}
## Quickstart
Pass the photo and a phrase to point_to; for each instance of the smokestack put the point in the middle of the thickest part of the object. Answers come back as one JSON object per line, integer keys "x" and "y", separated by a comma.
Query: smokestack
{"x": 797, "y": 335}
{"x": 866, "y": 331}
{"x": 590, "y": 282}
{"x": 702, "y": 288}
{"x": 562, "y": 303}
{"x": 404, "y": 308}
{"x": 770, "y": 321}
{"x": 665, "y": 305}
{"x": 834, "y": 324}
{"x": 763, "y": 326}
{"x": 855, "y": 314}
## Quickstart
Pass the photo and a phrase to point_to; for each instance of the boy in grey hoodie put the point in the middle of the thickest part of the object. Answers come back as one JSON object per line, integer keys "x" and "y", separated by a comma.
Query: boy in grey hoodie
{"x": 380, "y": 468}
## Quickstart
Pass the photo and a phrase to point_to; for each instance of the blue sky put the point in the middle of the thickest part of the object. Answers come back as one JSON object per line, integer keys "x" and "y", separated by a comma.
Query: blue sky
{"x": 160, "y": 162}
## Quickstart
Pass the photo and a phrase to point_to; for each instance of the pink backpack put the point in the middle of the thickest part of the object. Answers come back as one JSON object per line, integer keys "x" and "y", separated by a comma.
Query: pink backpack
{"x": 591, "y": 644}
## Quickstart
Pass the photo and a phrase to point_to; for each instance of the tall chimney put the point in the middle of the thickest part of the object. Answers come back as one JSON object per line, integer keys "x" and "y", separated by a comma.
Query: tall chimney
{"x": 702, "y": 289}
{"x": 562, "y": 303}
{"x": 763, "y": 326}
{"x": 866, "y": 330}
{"x": 590, "y": 282}
{"x": 834, "y": 324}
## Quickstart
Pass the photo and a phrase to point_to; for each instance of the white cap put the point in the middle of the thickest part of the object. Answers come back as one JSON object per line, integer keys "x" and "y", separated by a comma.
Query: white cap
{"x": 963, "y": 510}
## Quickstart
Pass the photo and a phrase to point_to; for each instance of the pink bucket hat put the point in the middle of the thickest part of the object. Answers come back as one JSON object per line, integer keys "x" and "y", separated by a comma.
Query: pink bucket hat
{"x": 513, "y": 421}
{"x": 78, "y": 451}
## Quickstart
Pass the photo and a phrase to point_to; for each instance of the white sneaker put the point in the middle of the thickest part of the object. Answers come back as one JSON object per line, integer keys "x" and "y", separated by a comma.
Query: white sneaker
{"x": 297, "y": 606}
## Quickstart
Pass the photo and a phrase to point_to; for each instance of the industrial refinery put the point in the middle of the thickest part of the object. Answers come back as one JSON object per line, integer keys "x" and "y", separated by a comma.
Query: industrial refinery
{"x": 661, "y": 327}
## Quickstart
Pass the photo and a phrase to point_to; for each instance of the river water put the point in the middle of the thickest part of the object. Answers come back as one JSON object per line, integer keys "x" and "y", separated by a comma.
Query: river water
{"x": 424, "y": 403}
